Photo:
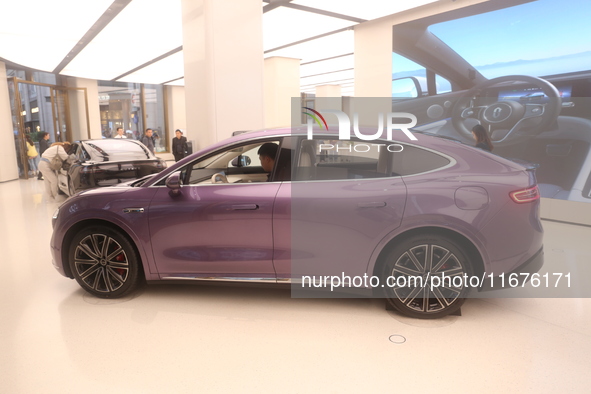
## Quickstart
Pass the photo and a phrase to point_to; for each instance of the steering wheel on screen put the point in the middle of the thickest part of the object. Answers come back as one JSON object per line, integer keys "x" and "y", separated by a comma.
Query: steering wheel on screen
{"x": 506, "y": 118}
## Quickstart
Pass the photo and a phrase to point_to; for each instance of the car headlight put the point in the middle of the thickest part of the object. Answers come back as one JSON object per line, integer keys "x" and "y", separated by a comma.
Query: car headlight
{"x": 55, "y": 214}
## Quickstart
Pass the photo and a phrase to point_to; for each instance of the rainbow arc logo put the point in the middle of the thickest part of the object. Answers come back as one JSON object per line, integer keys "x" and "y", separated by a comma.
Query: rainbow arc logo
{"x": 316, "y": 118}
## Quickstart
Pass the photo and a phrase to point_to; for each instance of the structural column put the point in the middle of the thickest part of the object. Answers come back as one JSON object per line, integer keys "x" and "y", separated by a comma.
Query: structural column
{"x": 78, "y": 114}
{"x": 177, "y": 117}
{"x": 282, "y": 83}
{"x": 223, "y": 53}
{"x": 8, "y": 165}
{"x": 329, "y": 97}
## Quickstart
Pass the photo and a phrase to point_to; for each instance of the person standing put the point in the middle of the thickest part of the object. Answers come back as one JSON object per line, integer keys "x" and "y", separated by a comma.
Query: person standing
{"x": 120, "y": 133}
{"x": 43, "y": 145}
{"x": 482, "y": 138}
{"x": 148, "y": 140}
{"x": 32, "y": 155}
{"x": 156, "y": 140}
{"x": 57, "y": 149}
{"x": 179, "y": 146}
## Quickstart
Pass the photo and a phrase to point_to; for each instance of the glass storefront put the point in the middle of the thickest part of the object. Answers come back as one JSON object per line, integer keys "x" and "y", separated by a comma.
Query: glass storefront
{"x": 38, "y": 106}
{"x": 134, "y": 107}
{"x": 154, "y": 104}
{"x": 120, "y": 106}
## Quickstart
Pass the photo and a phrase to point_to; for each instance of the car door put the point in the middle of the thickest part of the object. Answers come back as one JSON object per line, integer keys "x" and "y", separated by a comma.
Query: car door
{"x": 217, "y": 230}
{"x": 338, "y": 207}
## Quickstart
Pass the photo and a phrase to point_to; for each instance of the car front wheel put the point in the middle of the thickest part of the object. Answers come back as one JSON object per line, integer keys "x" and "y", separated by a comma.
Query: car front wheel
{"x": 104, "y": 262}
{"x": 422, "y": 276}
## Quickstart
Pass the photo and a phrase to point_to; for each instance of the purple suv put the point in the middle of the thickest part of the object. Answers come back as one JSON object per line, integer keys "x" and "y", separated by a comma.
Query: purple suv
{"x": 403, "y": 213}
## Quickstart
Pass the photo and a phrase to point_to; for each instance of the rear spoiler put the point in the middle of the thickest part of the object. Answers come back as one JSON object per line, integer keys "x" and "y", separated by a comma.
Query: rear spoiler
{"x": 529, "y": 166}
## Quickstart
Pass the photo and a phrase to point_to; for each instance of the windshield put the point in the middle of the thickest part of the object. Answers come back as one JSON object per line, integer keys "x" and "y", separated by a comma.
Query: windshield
{"x": 114, "y": 150}
{"x": 540, "y": 38}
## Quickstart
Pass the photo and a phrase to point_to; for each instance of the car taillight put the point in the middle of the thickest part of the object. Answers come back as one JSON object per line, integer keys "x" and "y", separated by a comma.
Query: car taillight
{"x": 526, "y": 195}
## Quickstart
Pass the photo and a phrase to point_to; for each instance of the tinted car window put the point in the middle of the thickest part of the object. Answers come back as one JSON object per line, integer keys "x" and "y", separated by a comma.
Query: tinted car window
{"x": 413, "y": 160}
{"x": 326, "y": 159}
{"x": 334, "y": 159}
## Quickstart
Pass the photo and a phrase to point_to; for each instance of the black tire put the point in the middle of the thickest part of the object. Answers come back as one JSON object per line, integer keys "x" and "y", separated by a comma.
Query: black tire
{"x": 426, "y": 256}
{"x": 104, "y": 262}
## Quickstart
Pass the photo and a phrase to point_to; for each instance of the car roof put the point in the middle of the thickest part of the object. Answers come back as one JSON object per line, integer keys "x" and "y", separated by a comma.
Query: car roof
{"x": 107, "y": 139}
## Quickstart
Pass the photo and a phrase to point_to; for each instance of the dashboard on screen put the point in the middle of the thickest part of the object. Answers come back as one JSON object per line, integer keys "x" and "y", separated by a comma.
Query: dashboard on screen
{"x": 533, "y": 95}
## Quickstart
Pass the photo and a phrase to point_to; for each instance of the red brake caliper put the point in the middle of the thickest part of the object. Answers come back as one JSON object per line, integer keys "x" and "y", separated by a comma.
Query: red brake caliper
{"x": 120, "y": 257}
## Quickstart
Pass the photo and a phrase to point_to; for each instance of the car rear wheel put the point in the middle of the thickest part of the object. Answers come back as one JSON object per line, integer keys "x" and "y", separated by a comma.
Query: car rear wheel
{"x": 422, "y": 276}
{"x": 104, "y": 262}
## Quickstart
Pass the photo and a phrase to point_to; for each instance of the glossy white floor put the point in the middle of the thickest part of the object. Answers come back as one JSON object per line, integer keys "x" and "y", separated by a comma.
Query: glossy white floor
{"x": 54, "y": 338}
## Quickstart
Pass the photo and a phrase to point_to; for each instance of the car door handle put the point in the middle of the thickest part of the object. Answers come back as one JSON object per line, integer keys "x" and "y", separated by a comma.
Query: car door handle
{"x": 133, "y": 210}
{"x": 245, "y": 207}
{"x": 373, "y": 204}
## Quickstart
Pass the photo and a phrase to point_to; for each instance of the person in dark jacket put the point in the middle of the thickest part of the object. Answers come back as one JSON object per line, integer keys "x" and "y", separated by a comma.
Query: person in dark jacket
{"x": 482, "y": 138}
{"x": 43, "y": 145}
{"x": 148, "y": 140}
{"x": 179, "y": 146}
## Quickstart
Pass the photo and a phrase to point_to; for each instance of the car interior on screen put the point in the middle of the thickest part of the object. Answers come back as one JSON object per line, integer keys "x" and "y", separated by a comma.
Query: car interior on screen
{"x": 484, "y": 66}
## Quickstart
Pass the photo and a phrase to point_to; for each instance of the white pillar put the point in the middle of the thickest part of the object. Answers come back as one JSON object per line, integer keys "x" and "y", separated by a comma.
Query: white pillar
{"x": 373, "y": 60}
{"x": 78, "y": 108}
{"x": 329, "y": 91}
{"x": 8, "y": 165}
{"x": 223, "y": 55}
{"x": 177, "y": 115}
{"x": 329, "y": 97}
{"x": 282, "y": 83}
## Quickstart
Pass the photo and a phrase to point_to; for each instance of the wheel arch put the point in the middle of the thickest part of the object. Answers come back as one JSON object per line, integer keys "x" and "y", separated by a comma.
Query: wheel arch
{"x": 72, "y": 231}
{"x": 471, "y": 249}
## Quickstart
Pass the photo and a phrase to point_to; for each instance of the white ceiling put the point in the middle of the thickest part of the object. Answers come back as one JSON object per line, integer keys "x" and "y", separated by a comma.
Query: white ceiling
{"x": 143, "y": 42}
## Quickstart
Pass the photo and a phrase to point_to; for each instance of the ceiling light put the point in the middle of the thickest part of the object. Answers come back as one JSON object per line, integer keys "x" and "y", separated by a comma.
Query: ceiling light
{"x": 167, "y": 69}
{"x": 322, "y": 48}
{"x": 141, "y": 32}
{"x": 329, "y": 65}
{"x": 283, "y": 26}
{"x": 366, "y": 9}
{"x": 35, "y": 34}
{"x": 328, "y": 79}
{"x": 178, "y": 82}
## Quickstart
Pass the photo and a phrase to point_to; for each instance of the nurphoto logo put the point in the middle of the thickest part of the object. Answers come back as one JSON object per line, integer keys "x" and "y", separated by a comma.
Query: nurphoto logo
{"x": 345, "y": 124}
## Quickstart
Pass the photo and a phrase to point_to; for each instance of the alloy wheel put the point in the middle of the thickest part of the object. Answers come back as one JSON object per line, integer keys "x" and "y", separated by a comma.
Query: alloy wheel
{"x": 422, "y": 266}
{"x": 101, "y": 263}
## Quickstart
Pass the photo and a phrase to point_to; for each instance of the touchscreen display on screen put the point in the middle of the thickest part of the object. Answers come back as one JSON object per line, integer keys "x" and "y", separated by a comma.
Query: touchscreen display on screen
{"x": 533, "y": 95}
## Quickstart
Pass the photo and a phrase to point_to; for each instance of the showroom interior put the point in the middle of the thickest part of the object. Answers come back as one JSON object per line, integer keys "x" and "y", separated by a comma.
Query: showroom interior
{"x": 212, "y": 68}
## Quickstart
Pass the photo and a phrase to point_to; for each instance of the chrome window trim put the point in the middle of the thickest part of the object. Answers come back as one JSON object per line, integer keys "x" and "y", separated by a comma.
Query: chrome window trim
{"x": 452, "y": 162}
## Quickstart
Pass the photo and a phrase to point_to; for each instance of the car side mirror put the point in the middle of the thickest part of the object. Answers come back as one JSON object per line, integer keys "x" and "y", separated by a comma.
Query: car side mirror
{"x": 241, "y": 161}
{"x": 174, "y": 184}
